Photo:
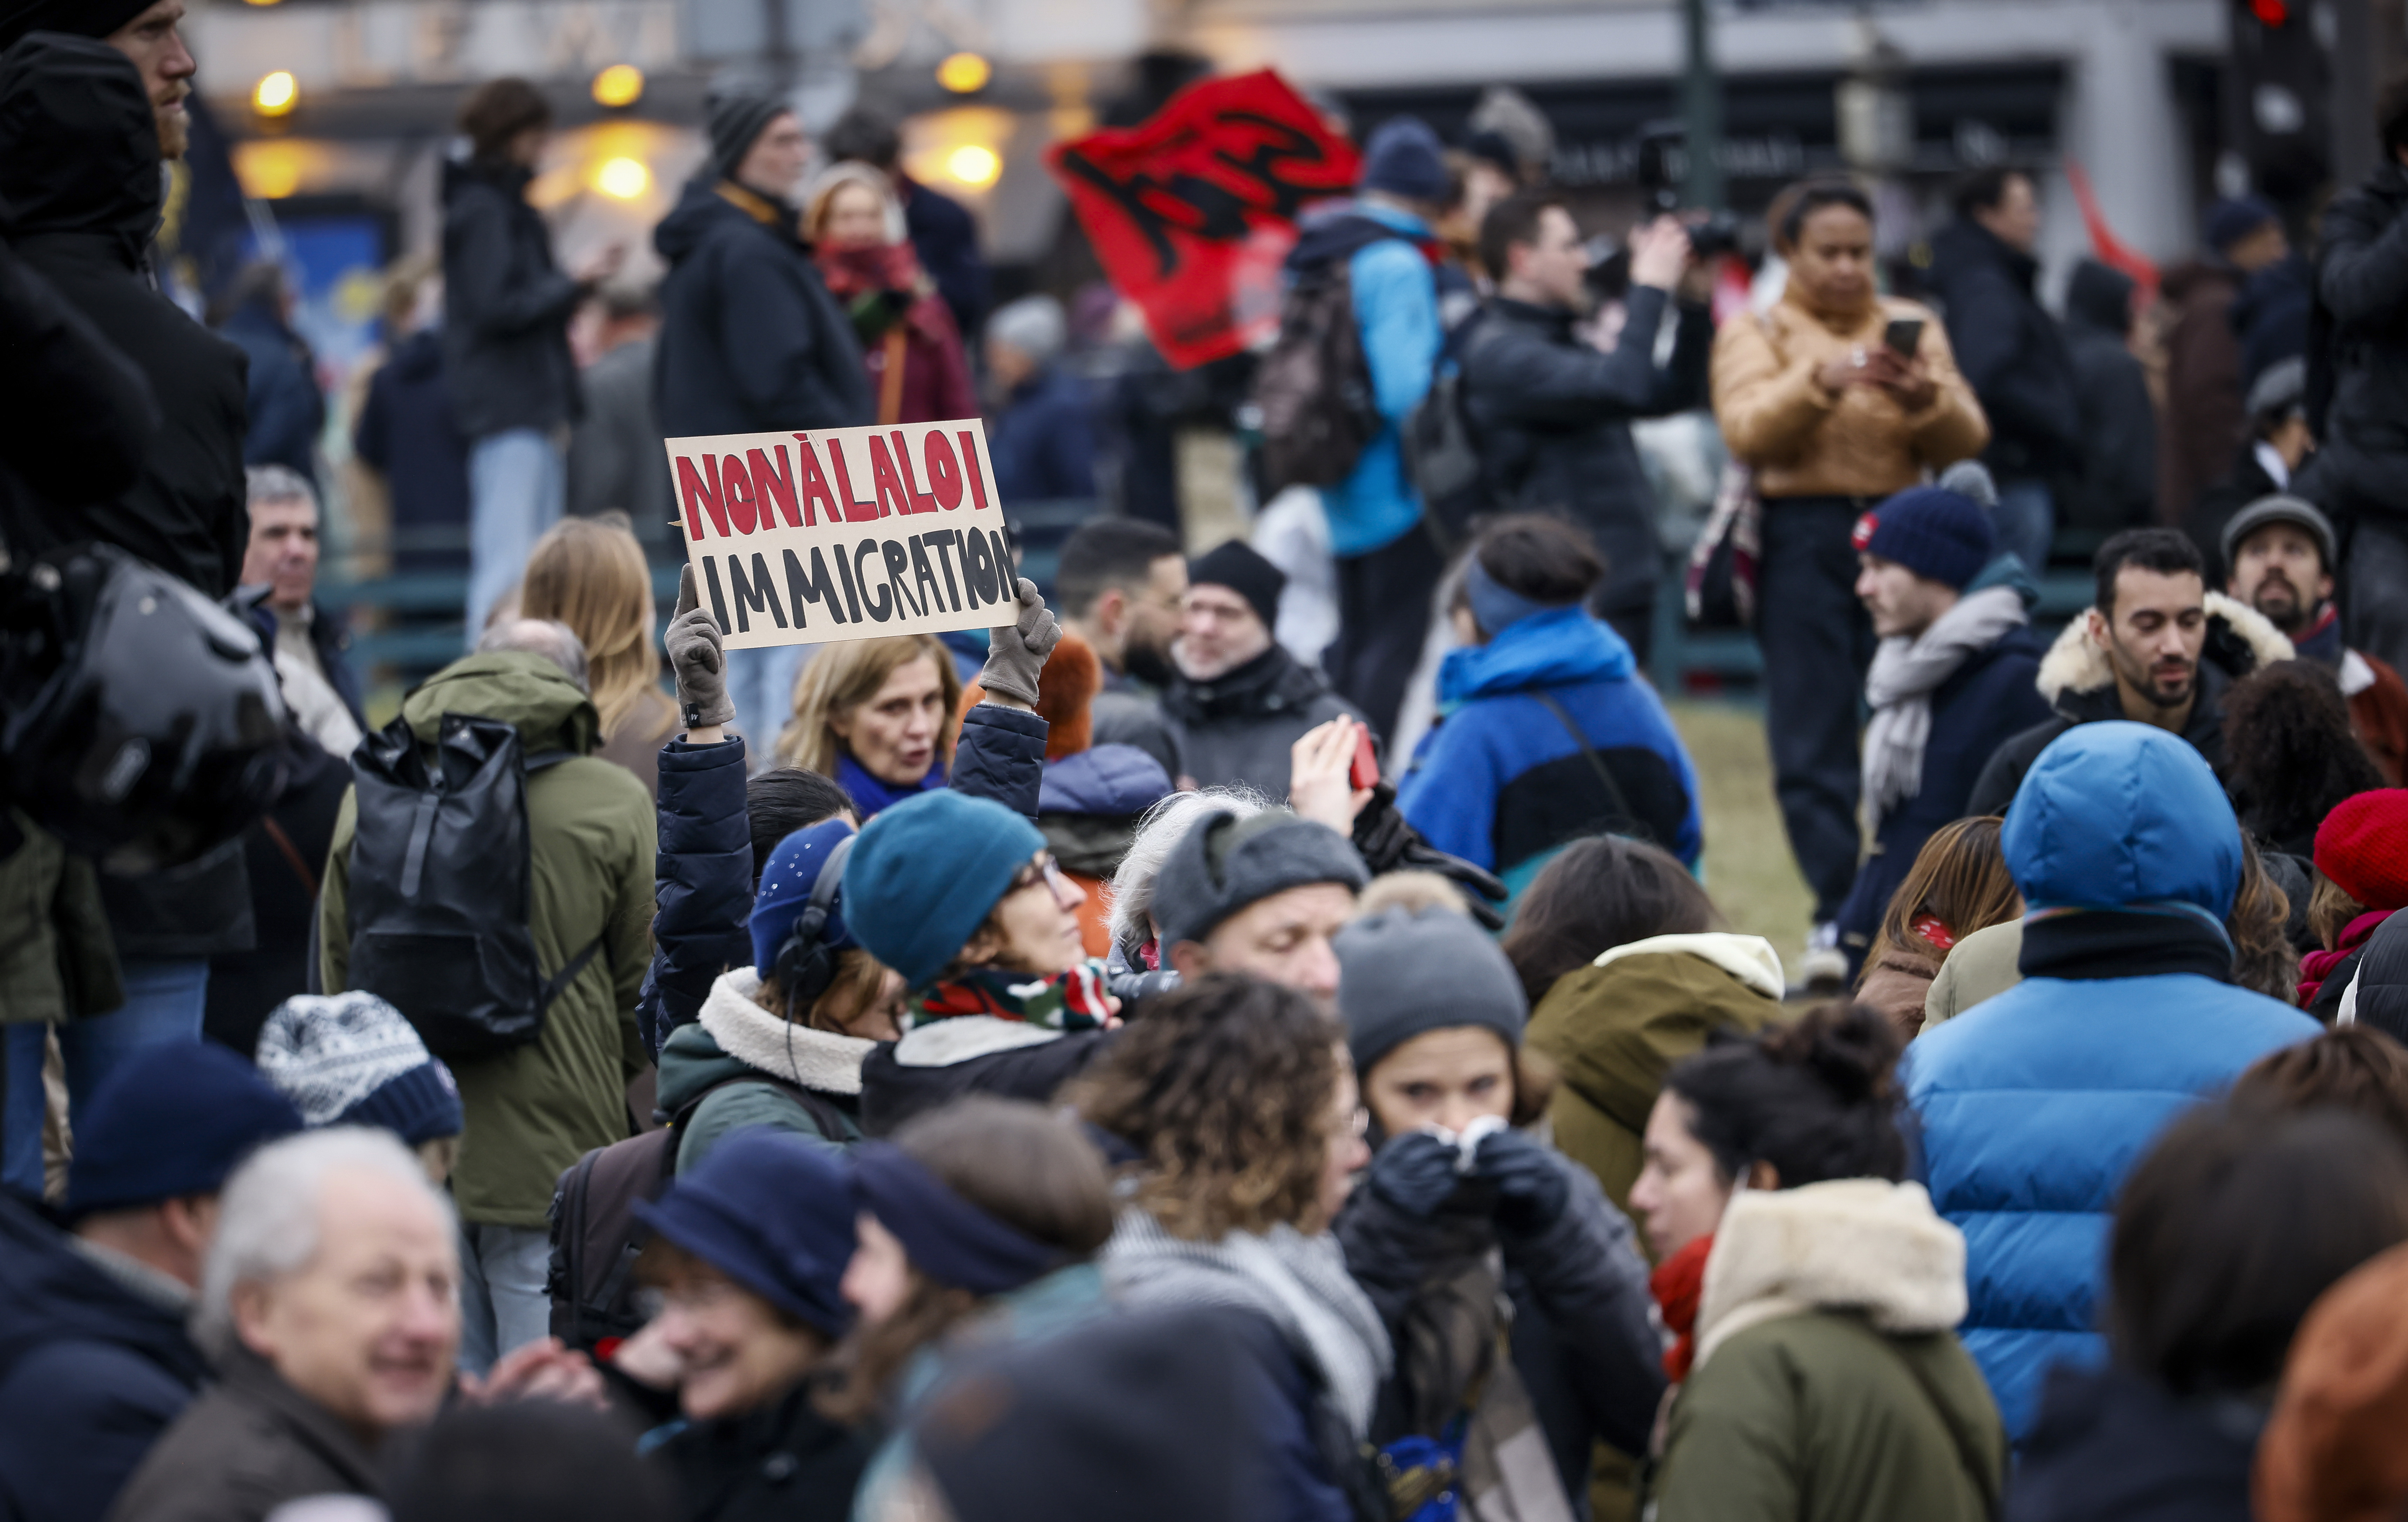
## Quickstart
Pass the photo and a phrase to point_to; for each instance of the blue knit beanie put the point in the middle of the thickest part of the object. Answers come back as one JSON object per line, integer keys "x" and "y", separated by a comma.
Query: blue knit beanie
{"x": 2232, "y": 218}
{"x": 773, "y": 1213}
{"x": 1404, "y": 158}
{"x": 173, "y": 1120}
{"x": 352, "y": 1060}
{"x": 786, "y": 884}
{"x": 1937, "y": 535}
{"x": 926, "y": 872}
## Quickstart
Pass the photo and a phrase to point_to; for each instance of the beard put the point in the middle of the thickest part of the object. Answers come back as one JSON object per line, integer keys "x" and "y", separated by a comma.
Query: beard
{"x": 2281, "y": 604}
{"x": 1148, "y": 664}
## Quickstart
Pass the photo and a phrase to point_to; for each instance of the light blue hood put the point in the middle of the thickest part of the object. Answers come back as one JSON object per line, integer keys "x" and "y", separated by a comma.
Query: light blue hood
{"x": 1560, "y": 648}
{"x": 2114, "y": 813}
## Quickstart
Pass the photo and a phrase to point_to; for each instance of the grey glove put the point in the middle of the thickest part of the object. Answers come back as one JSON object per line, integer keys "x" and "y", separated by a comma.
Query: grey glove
{"x": 1016, "y": 652}
{"x": 697, "y": 661}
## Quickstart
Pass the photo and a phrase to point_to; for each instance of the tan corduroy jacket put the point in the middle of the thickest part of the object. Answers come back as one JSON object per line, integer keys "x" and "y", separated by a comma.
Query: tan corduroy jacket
{"x": 1801, "y": 441}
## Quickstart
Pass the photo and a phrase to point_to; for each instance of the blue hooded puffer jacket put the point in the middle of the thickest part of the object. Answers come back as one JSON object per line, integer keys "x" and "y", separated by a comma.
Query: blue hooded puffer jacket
{"x": 1502, "y": 781}
{"x": 2035, "y": 1104}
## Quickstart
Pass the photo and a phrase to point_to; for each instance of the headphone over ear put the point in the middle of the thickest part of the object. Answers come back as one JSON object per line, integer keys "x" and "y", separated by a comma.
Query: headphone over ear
{"x": 805, "y": 967}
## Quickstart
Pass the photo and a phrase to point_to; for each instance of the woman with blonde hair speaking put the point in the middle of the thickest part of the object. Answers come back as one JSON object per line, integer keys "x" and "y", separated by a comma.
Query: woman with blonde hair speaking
{"x": 878, "y": 716}
{"x": 590, "y": 574}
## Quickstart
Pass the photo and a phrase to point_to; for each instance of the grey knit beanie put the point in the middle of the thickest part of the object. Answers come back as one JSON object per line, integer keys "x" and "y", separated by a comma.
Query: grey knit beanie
{"x": 1225, "y": 863}
{"x": 737, "y": 119}
{"x": 1403, "y": 972}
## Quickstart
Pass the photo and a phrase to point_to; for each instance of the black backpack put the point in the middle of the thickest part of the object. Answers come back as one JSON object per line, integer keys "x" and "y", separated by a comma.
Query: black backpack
{"x": 1441, "y": 449}
{"x": 595, "y": 1237}
{"x": 1313, "y": 389}
{"x": 441, "y": 887}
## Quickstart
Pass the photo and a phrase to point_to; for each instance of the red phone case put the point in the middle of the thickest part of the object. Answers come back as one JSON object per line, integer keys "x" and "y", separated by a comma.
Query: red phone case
{"x": 1366, "y": 770}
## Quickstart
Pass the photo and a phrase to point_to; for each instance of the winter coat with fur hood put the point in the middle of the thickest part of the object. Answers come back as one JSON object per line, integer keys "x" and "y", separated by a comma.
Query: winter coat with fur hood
{"x": 1829, "y": 1386}
{"x": 2079, "y": 683}
{"x": 1615, "y": 1026}
{"x": 742, "y": 1064}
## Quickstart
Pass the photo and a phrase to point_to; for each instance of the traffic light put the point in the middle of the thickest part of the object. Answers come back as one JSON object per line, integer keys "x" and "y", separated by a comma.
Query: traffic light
{"x": 2281, "y": 82}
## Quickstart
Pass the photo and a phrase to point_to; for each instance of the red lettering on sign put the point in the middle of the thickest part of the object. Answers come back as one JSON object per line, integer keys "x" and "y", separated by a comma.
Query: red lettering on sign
{"x": 855, "y": 510}
{"x": 738, "y": 487}
{"x": 890, "y": 486}
{"x": 970, "y": 463}
{"x": 921, "y": 502}
{"x": 695, "y": 492}
{"x": 944, "y": 472}
{"x": 815, "y": 487}
{"x": 775, "y": 486}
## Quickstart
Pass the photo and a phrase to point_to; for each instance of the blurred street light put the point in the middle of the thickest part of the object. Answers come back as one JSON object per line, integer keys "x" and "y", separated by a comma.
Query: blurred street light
{"x": 624, "y": 180}
{"x": 275, "y": 95}
{"x": 964, "y": 73}
{"x": 621, "y": 84}
{"x": 974, "y": 165}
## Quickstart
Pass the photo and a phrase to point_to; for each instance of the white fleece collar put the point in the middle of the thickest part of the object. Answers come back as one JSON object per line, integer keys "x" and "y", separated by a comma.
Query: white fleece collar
{"x": 1861, "y": 1244}
{"x": 1749, "y": 958}
{"x": 819, "y": 1060}
{"x": 958, "y": 1038}
{"x": 2078, "y": 663}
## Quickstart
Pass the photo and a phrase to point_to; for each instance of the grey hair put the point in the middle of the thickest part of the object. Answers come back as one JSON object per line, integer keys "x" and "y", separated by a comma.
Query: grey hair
{"x": 1162, "y": 827}
{"x": 278, "y": 483}
{"x": 546, "y": 637}
{"x": 1033, "y": 325}
{"x": 268, "y": 1215}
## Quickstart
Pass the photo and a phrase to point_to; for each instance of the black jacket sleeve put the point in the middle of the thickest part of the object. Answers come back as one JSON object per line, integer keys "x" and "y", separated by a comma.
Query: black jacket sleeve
{"x": 480, "y": 291}
{"x": 75, "y": 414}
{"x": 1522, "y": 379}
{"x": 2014, "y": 370}
{"x": 1001, "y": 755}
{"x": 1585, "y": 1273}
{"x": 2363, "y": 275}
{"x": 702, "y": 888}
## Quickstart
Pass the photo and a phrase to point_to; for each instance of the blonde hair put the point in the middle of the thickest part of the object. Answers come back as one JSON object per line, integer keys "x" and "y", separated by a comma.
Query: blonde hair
{"x": 842, "y": 677}
{"x": 834, "y": 178}
{"x": 590, "y": 574}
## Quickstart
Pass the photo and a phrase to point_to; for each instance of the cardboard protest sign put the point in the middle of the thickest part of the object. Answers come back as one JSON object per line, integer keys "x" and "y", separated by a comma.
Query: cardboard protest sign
{"x": 845, "y": 533}
{"x": 1193, "y": 211}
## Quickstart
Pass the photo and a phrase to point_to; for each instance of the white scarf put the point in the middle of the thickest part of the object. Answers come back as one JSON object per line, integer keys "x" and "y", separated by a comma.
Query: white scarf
{"x": 1905, "y": 673}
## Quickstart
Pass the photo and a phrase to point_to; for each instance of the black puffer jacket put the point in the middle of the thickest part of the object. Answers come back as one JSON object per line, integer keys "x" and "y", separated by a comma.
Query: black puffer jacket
{"x": 506, "y": 305}
{"x": 79, "y": 176}
{"x": 1582, "y": 1340}
{"x": 2359, "y": 339}
{"x": 1241, "y": 727}
{"x": 1554, "y": 415}
{"x": 751, "y": 340}
{"x": 2010, "y": 351}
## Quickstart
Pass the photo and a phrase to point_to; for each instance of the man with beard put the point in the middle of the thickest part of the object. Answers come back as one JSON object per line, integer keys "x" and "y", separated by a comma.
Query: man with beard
{"x": 2157, "y": 648}
{"x": 1119, "y": 586}
{"x": 2281, "y": 552}
{"x": 146, "y": 33}
{"x": 1240, "y": 702}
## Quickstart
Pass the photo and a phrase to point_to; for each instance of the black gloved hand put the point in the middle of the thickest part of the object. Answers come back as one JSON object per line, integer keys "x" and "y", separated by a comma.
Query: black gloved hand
{"x": 1388, "y": 844}
{"x": 1531, "y": 1188}
{"x": 1414, "y": 1172}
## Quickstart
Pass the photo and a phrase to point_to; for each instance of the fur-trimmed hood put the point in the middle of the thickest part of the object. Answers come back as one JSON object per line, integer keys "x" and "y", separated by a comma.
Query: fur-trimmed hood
{"x": 2240, "y": 639}
{"x": 819, "y": 1060}
{"x": 1859, "y": 1244}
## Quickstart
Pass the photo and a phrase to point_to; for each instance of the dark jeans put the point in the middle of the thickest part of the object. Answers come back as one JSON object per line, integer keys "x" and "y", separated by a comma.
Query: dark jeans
{"x": 1383, "y": 615}
{"x": 1818, "y": 642}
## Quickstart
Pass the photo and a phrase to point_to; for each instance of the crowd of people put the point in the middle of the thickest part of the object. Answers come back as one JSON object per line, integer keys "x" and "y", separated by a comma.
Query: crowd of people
{"x": 1088, "y": 1069}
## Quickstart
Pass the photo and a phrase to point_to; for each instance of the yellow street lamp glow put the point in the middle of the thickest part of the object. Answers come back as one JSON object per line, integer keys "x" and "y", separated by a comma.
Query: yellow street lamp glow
{"x": 964, "y": 73}
{"x": 623, "y": 179}
{"x": 973, "y": 166}
{"x": 275, "y": 95}
{"x": 621, "y": 84}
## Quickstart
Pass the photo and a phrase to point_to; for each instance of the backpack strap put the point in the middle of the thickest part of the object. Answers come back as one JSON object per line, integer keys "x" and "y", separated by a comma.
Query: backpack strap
{"x": 1604, "y": 773}
{"x": 1965, "y": 1456}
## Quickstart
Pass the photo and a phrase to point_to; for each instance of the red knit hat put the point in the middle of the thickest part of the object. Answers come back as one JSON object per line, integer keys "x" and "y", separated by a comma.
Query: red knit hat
{"x": 2362, "y": 847}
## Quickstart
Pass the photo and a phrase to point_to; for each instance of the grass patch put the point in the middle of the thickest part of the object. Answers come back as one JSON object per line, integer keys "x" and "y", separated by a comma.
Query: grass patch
{"x": 1748, "y": 868}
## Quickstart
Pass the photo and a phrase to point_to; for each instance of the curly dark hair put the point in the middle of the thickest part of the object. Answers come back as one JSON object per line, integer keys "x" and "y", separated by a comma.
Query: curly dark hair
{"x": 1224, "y": 1089}
{"x": 2289, "y": 754}
{"x": 1816, "y": 1099}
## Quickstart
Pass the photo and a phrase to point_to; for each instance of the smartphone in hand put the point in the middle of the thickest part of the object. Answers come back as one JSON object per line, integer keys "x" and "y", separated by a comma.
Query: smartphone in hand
{"x": 1902, "y": 336}
{"x": 1365, "y": 772}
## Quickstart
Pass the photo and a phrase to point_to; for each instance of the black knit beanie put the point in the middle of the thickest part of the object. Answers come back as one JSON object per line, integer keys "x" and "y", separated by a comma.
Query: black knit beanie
{"x": 1238, "y": 567}
{"x": 737, "y": 119}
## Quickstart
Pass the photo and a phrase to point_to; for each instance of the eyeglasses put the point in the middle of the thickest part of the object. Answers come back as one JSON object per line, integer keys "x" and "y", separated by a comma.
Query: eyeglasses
{"x": 1044, "y": 869}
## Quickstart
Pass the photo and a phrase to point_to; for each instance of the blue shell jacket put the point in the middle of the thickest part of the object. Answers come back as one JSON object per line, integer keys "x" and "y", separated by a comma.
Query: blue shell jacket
{"x": 2035, "y": 1104}
{"x": 1500, "y": 781}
